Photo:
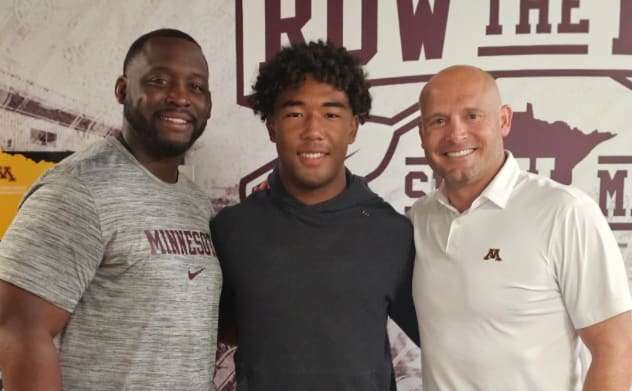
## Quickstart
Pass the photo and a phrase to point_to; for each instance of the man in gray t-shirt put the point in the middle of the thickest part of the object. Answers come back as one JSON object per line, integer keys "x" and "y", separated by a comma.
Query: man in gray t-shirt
{"x": 111, "y": 249}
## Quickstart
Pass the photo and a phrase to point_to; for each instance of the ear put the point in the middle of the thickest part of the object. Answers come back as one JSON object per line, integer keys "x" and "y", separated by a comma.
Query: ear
{"x": 210, "y": 105}
{"x": 120, "y": 89}
{"x": 420, "y": 127}
{"x": 270, "y": 124}
{"x": 505, "y": 115}
{"x": 353, "y": 131}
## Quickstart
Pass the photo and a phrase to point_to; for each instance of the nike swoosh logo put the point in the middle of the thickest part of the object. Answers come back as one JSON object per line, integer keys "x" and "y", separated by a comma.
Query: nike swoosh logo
{"x": 194, "y": 274}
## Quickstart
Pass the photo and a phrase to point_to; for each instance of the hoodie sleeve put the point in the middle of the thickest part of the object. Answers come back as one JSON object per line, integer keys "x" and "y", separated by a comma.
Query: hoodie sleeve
{"x": 227, "y": 329}
{"x": 402, "y": 309}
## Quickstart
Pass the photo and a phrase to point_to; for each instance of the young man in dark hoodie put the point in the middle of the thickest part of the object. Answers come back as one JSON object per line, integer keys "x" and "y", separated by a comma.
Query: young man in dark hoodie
{"x": 315, "y": 263}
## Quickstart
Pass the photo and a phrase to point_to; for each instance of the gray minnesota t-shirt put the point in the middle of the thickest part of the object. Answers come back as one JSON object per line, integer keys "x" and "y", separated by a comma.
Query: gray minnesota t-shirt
{"x": 131, "y": 257}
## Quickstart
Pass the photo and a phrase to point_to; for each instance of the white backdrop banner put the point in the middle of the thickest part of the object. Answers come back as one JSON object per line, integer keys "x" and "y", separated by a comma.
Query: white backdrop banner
{"x": 565, "y": 67}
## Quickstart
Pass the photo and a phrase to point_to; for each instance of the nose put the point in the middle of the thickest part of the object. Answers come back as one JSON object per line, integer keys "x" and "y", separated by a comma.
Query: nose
{"x": 178, "y": 94}
{"x": 313, "y": 127}
{"x": 457, "y": 129}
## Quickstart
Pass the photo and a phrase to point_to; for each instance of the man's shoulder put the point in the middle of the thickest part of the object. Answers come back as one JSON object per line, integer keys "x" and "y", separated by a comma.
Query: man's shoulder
{"x": 422, "y": 205}
{"x": 98, "y": 157}
{"x": 70, "y": 175}
{"x": 390, "y": 212}
{"x": 381, "y": 215}
{"x": 543, "y": 189}
{"x": 226, "y": 213}
{"x": 245, "y": 209}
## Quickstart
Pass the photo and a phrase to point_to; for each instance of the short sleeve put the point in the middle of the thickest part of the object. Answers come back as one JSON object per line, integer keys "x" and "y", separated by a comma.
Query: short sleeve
{"x": 589, "y": 265}
{"x": 54, "y": 245}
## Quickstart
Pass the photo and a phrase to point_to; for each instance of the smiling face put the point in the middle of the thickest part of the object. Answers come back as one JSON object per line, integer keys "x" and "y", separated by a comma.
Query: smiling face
{"x": 312, "y": 126}
{"x": 166, "y": 97}
{"x": 462, "y": 128}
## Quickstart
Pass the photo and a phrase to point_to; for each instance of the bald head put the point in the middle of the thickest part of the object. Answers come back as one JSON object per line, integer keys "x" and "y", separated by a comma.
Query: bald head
{"x": 460, "y": 75}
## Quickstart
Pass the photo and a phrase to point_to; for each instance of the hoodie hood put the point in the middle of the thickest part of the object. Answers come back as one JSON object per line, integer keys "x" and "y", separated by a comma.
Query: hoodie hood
{"x": 356, "y": 195}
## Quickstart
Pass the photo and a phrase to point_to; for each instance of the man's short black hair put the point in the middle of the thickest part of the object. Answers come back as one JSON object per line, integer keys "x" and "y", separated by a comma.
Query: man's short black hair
{"x": 139, "y": 43}
{"x": 325, "y": 62}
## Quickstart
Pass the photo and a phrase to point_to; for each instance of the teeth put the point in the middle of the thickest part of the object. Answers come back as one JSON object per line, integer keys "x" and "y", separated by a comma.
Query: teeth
{"x": 460, "y": 153}
{"x": 175, "y": 120}
{"x": 312, "y": 155}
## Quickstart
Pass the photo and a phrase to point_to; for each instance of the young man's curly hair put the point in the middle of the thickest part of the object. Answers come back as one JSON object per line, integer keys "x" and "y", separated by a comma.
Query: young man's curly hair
{"x": 325, "y": 62}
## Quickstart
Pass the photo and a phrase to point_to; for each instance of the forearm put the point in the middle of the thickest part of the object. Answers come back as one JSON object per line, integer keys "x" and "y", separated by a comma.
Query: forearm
{"x": 610, "y": 345}
{"x": 609, "y": 373}
{"x": 29, "y": 363}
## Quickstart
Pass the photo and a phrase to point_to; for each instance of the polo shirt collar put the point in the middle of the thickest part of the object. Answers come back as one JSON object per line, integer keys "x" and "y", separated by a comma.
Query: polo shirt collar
{"x": 499, "y": 189}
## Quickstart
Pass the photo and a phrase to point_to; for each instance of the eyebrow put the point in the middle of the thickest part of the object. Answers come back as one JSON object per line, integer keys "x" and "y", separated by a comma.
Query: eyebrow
{"x": 292, "y": 103}
{"x": 335, "y": 104}
{"x": 166, "y": 69}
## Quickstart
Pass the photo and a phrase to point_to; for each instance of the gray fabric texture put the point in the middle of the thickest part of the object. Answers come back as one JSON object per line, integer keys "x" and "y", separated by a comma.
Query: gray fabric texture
{"x": 131, "y": 258}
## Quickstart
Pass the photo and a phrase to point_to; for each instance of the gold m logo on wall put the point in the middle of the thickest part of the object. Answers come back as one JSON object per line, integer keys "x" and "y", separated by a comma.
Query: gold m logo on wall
{"x": 493, "y": 254}
{"x": 17, "y": 174}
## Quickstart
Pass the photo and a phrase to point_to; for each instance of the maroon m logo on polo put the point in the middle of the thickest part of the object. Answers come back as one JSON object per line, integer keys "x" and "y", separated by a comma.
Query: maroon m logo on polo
{"x": 493, "y": 254}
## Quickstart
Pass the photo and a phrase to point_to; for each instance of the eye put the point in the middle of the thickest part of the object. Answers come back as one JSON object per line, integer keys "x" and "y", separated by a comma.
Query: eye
{"x": 198, "y": 88}
{"x": 158, "y": 80}
{"x": 293, "y": 114}
{"x": 332, "y": 115}
{"x": 473, "y": 116}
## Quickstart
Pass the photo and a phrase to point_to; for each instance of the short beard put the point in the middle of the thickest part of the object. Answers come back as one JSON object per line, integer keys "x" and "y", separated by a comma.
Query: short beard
{"x": 148, "y": 135}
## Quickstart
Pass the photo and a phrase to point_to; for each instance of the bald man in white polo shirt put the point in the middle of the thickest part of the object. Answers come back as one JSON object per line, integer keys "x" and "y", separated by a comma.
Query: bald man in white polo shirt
{"x": 512, "y": 269}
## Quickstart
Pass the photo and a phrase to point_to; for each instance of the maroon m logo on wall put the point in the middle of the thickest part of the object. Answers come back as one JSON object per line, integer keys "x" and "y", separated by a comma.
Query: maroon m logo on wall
{"x": 5, "y": 173}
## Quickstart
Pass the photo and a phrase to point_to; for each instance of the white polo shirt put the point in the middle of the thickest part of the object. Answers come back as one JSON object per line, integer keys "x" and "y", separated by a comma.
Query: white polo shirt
{"x": 501, "y": 288}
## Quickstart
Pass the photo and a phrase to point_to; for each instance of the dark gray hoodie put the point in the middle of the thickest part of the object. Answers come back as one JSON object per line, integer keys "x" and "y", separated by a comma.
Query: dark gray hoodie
{"x": 309, "y": 288}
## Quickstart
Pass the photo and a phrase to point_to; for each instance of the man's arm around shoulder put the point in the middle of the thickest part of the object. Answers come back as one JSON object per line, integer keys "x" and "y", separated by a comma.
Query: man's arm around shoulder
{"x": 28, "y": 325}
